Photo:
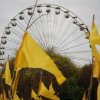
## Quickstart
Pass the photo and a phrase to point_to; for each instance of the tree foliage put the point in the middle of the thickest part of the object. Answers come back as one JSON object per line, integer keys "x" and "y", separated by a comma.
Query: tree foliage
{"x": 72, "y": 89}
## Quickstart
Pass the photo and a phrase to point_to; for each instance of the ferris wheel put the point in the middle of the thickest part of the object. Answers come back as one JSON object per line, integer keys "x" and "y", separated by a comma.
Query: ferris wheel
{"x": 54, "y": 28}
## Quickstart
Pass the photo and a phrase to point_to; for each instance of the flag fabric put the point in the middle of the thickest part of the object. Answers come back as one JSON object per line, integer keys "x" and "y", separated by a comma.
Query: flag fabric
{"x": 98, "y": 92}
{"x": 96, "y": 68}
{"x": 95, "y": 53}
{"x": 15, "y": 84}
{"x": 95, "y": 40}
{"x": 51, "y": 90}
{"x": 15, "y": 97}
{"x": 34, "y": 95}
{"x": 3, "y": 75}
{"x": 31, "y": 55}
{"x": 8, "y": 79}
{"x": 1, "y": 97}
{"x": 94, "y": 36}
{"x": 43, "y": 91}
{"x": 84, "y": 96}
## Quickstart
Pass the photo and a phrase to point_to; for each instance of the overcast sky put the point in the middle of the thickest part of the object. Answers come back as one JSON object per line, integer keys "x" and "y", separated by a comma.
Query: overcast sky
{"x": 83, "y": 8}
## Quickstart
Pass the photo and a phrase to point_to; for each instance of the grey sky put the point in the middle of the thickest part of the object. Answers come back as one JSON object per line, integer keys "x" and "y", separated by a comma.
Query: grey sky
{"x": 83, "y": 8}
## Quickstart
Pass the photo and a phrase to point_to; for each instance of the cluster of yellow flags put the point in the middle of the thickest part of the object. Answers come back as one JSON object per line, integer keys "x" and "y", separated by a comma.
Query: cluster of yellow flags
{"x": 31, "y": 55}
{"x": 95, "y": 40}
{"x": 43, "y": 91}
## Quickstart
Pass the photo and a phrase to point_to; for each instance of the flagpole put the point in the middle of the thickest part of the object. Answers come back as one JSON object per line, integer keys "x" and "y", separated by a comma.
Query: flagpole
{"x": 91, "y": 80}
{"x": 31, "y": 15}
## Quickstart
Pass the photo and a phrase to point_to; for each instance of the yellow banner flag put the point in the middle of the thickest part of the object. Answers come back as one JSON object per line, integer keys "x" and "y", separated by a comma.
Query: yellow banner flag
{"x": 84, "y": 96}
{"x": 1, "y": 97}
{"x": 96, "y": 67}
{"x": 43, "y": 91}
{"x": 15, "y": 97}
{"x": 34, "y": 95}
{"x": 94, "y": 36}
{"x": 8, "y": 79}
{"x": 31, "y": 55}
{"x": 98, "y": 92}
{"x": 92, "y": 39}
{"x": 95, "y": 53}
{"x": 3, "y": 75}
{"x": 15, "y": 84}
{"x": 51, "y": 90}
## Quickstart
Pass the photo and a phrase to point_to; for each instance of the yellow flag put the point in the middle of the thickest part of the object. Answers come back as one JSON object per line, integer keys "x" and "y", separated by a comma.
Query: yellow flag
{"x": 96, "y": 68}
{"x": 95, "y": 52}
{"x": 43, "y": 91}
{"x": 98, "y": 92}
{"x": 8, "y": 79}
{"x": 3, "y": 75}
{"x": 94, "y": 36}
{"x": 51, "y": 90}
{"x": 84, "y": 96}
{"x": 4, "y": 96}
{"x": 15, "y": 97}
{"x": 31, "y": 55}
{"x": 34, "y": 95}
{"x": 15, "y": 84}
{"x": 1, "y": 97}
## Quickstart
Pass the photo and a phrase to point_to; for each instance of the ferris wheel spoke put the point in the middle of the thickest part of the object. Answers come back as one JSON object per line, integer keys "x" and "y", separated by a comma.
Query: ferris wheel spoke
{"x": 61, "y": 25}
{"x": 63, "y": 38}
{"x": 26, "y": 19}
{"x": 9, "y": 48}
{"x": 80, "y": 58}
{"x": 64, "y": 46}
{"x": 32, "y": 31}
{"x": 21, "y": 25}
{"x": 40, "y": 34}
{"x": 16, "y": 33}
{"x": 44, "y": 36}
{"x": 75, "y": 52}
{"x": 21, "y": 28}
{"x": 54, "y": 29}
{"x": 31, "y": 28}
{"x": 74, "y": 46}
{"x": 68, "y": 37}
{"x": 13, "y": 41}
{"x": 48, "y": 32}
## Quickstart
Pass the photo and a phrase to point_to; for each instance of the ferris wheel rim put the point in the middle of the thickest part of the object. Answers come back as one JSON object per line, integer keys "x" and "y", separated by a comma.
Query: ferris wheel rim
{"x": 44, "y": 5}
{"x": 53, "y": 7}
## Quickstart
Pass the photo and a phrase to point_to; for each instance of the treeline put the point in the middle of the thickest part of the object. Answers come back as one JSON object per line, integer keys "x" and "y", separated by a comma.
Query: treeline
{"x": 77, "y": 82}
